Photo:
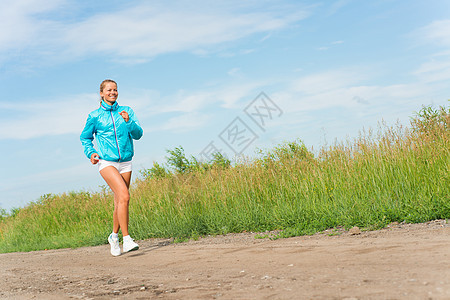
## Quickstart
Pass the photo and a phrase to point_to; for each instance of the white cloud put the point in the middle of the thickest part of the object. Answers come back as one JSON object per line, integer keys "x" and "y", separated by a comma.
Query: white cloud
{"x": 237, "y": 96}
{"x": 437, "y": 32}
{"x": 333, "y": 89}
{"x": 437, "y": 68}
{"x": 226, "y": 95}
{"x": 332, "y": 44}
{"x": 347, "y": 89}
{"x": 185, "y": 122}
{"x": 23, "y": 24}
{"x": 146, "y": 31}
{"x": 325, "y": 81}
{"x": 42, "y": 118}
{"x": 138, "y": 33}
{"x": 336, "y": 6}
{"x": 346, "y": 105}
{"x": 234, "y": 72}
{"x": 186, "y": 102}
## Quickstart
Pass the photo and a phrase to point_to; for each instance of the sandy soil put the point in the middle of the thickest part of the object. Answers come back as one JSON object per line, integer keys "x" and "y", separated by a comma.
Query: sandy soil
{"x": 402, "y": 261}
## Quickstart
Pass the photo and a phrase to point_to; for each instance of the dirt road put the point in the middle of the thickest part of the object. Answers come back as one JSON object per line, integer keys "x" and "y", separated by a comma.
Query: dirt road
{"x": 402, "y": 261}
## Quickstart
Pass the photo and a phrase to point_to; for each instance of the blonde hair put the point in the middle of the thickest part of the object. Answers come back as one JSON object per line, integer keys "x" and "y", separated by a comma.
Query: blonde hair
{"x": 102, "y": 86}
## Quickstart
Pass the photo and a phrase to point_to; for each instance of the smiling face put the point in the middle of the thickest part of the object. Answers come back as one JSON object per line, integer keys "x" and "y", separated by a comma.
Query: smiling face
{"x": 109, "y": 92}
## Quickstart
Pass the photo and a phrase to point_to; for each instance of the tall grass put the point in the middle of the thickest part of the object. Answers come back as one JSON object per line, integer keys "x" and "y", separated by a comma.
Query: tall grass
{"x": 393, "y": 174}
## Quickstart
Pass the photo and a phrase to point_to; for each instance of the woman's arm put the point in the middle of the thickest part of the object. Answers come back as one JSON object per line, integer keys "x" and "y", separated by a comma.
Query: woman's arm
{"x": 87, "y": 137}
{"x": 133, "y": 125}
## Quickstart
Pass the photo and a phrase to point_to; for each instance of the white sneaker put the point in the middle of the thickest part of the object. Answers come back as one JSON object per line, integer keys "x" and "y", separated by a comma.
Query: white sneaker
{"x": 129, "y": 245}
{"x": 115, "y": 248}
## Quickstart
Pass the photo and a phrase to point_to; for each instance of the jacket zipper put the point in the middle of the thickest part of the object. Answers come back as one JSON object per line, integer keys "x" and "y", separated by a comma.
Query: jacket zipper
{"x": 115, "y": 134}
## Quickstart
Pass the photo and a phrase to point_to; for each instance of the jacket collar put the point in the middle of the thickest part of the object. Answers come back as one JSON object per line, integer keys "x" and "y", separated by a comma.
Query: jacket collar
{"x": 107, "y": 107}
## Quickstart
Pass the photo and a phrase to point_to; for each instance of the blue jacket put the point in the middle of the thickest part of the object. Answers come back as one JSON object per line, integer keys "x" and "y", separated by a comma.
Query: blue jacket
{"x": 113, "y": 135}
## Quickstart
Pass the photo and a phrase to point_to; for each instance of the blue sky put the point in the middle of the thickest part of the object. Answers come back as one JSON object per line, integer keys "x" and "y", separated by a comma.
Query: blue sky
{"x": 194, "y": 71}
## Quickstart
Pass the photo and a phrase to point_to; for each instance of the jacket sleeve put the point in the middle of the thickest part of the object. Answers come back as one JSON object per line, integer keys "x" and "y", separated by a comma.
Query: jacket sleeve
{"x": 134, "y": 128}
{"x": 87, "y": 137}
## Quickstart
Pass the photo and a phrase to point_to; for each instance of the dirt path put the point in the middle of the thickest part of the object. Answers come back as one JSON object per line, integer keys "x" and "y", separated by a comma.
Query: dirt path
{"x": 400, "y": 262}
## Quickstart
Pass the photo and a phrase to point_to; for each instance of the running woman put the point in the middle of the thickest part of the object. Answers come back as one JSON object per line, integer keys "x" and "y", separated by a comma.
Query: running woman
{"x": 114, "y": 128}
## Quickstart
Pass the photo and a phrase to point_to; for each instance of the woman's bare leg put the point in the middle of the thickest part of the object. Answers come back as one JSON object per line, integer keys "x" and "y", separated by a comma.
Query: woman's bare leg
{"x": 119, "y": 184}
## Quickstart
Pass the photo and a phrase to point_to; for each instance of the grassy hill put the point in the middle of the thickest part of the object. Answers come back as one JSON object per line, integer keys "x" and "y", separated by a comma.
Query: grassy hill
{"x": 394, "y": 174}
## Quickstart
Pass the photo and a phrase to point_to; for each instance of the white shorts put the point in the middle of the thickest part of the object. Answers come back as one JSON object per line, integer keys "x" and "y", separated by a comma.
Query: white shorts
{"x": 122, "y": 167}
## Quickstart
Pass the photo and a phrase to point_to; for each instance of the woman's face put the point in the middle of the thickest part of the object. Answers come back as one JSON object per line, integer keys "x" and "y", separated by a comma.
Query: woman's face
{"x": 109, "y": 93}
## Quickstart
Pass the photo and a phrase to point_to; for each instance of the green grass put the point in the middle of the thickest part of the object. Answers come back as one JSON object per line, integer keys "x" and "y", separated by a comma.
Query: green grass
{"x": 398, "y": 174}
